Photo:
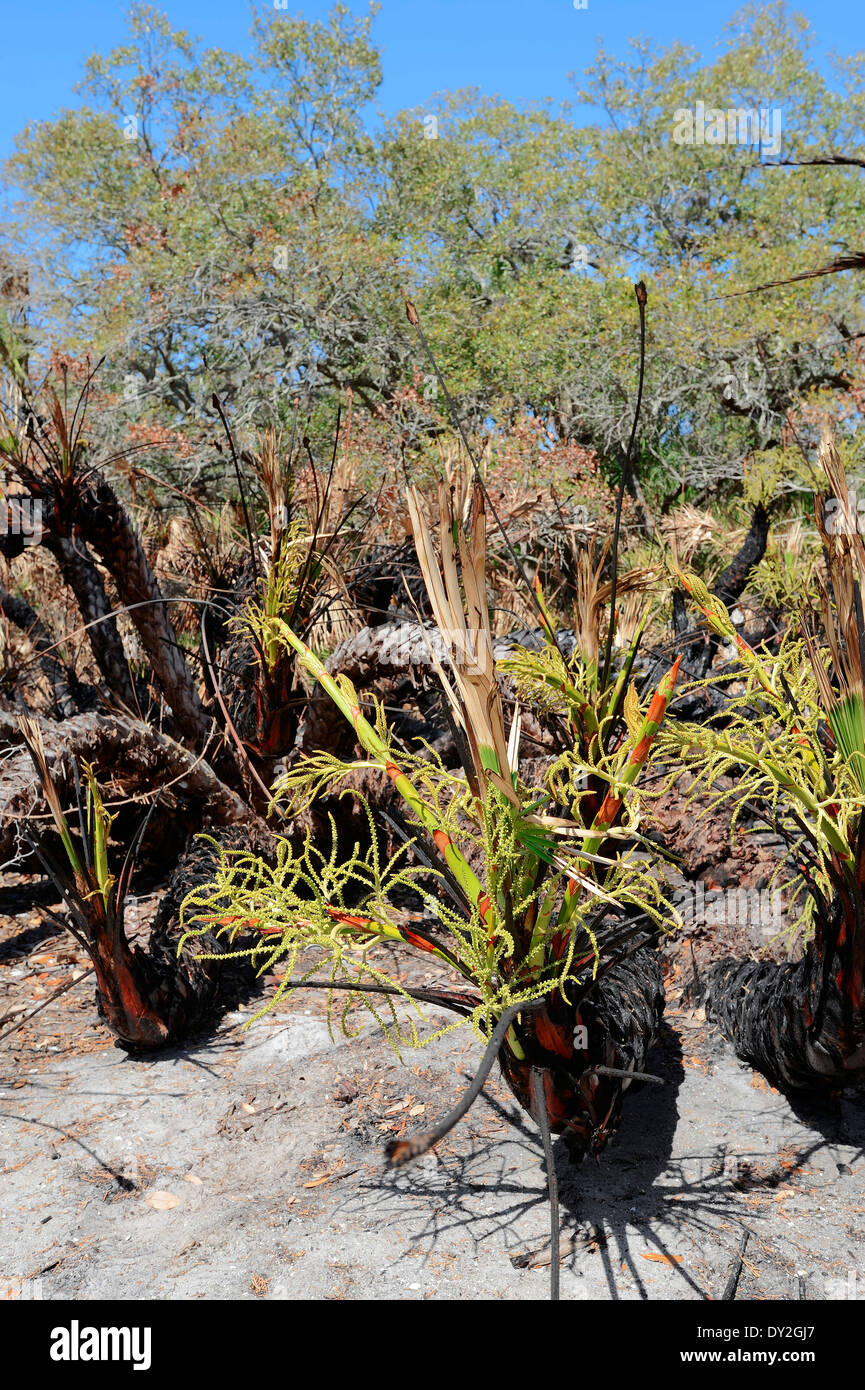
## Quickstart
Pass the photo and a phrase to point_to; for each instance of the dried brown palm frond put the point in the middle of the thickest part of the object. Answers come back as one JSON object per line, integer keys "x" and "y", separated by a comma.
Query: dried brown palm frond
{"x": 334, "y": 616}
{"x": 177, "y": 556}
{"x": 146, "y": 1002}
{"x": 511, "y": 603}
{"x": 593, "y": 594}
{"x": 686, "y": 529}
{"x": 465, "y": 625}
{"x": 629, "y": 619}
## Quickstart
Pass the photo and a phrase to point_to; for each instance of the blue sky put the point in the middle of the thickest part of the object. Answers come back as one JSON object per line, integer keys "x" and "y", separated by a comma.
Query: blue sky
{"x": 518, "y": 48}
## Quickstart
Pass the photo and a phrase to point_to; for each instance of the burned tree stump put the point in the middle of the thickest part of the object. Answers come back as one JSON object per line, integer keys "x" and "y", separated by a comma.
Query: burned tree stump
{"x": 801, "y": 1023}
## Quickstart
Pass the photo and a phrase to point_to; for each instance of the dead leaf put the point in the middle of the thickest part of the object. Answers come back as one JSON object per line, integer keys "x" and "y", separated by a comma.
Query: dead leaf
{"x": 192, "y": 1177}
{"x": 327, "y": 1177}
{"x": 664, "y": 1259}
{"x": 162, "y": 1201}
{"x": 417, "y": 1110}
{"x": 250, "y": 1109}
{"x": 759, "y": 1083}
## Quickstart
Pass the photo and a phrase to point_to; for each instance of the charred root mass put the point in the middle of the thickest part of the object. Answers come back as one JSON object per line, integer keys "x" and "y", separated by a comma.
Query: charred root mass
{"x": 150, "y": 999}
{"x": 802, "y": 1023}
{"x": 613, "y": 1026}
{"x": 155, "y": 996}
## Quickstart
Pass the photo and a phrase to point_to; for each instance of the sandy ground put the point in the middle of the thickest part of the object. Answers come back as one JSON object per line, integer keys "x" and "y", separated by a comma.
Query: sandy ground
{"x": 250, "y": 1165}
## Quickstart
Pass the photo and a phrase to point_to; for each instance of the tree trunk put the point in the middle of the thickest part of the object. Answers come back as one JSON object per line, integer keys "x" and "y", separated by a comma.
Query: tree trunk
{"x": 83, "y": 578}
{"x": 106, "y": 526}
{"x": 731, "y": 582}
{"x": 138, "y": 756}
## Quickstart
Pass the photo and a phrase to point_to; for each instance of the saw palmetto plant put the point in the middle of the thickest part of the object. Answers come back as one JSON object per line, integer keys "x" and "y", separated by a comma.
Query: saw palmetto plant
{"x": 296, "y": 575}
{"x": 791, "y": 749}
{"x": 145, "y": 1000}
{"x": 538, "y": 897}
{"x": 785, "y": 576}
{"x": 83, "y": 518}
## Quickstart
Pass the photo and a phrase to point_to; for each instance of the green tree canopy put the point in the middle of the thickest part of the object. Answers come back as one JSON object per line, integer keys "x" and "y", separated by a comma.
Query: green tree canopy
{"x": 243, "y": 224}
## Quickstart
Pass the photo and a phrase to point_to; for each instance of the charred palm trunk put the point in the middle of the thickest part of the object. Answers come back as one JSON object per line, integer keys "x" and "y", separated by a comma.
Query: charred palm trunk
{"x": 613, "y": 1025}
{"x": 147, "y": 1001}
{"x": 106, "y": 526}
{"x": 802, "y": 1024}
{"x": 80, "y": 573}
{"x": 728, "y": 587}
{"x": 151, "y": 997}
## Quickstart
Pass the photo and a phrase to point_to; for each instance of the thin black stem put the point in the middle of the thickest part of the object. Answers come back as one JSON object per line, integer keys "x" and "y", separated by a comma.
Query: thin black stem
{"x": 70, "y": 984}
{"x": 640, "y": 292}
{"x": 217, "y": 404}
{"x": 543, "y": 1123}
{"x": 460, "y": 1003}
{"x": 732, "y": 1283}
{"x": 628, "y": 1075}
{"x": 118, "y": 612}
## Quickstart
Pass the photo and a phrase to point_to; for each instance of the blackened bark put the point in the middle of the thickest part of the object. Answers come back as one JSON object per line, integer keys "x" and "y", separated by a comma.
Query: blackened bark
{"x": 130, "y": 752}
{"x": 106, "y": 527}
{"x": 397, "y": 652}
{"x": 621, "y": 1015}
{"x": 802, "y": 1023}
{"x": 374, "y": 654}
{"x": 728, "y": 587}
{"x": 731, "y": 581}
{"x": 157, "y": 997}
{"x": 83, "y": 578}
